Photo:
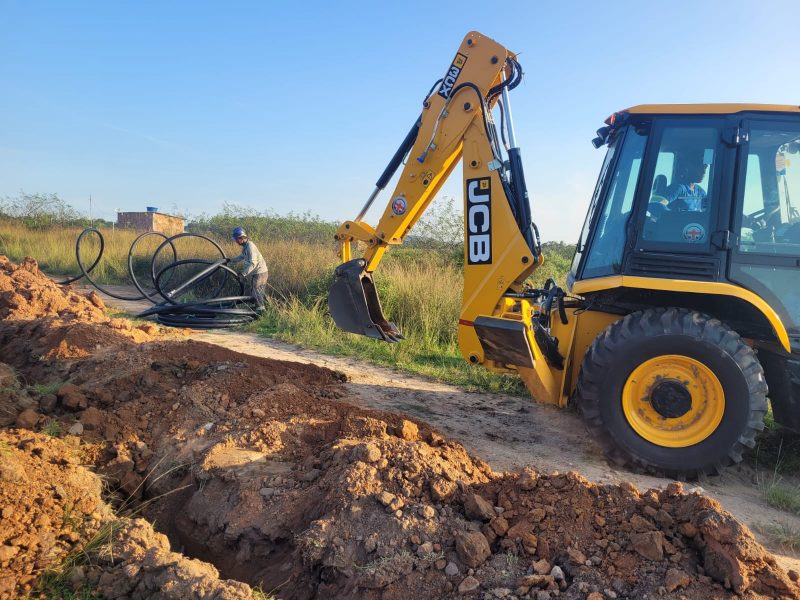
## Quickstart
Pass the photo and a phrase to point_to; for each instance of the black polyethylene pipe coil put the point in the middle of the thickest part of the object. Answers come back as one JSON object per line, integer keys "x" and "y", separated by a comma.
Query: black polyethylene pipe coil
{"x": 209, "y": 311}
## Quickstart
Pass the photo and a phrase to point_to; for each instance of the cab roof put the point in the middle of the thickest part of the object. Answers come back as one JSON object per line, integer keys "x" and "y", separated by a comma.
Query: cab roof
{"x": 706, "y": 109}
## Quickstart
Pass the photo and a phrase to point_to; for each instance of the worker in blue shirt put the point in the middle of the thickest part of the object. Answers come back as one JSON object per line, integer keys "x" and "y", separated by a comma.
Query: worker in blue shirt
{"x": 686, "y": 194}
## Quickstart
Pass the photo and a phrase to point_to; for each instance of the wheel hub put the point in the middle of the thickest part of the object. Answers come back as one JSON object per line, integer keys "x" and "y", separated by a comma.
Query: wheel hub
{"x": 673, "y": 401}
{"x": 671, "y": 398}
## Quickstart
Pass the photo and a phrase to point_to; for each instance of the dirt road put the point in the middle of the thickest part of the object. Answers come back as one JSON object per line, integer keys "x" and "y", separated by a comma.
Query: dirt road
{"x": 508, "y": 432}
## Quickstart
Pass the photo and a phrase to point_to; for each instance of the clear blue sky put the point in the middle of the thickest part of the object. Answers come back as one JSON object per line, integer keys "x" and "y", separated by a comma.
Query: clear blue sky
{"x": 297, "y": 106}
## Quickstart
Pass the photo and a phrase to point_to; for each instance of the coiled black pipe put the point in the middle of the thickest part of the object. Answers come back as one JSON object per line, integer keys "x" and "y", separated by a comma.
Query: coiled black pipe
{"x": 211, "y": 311}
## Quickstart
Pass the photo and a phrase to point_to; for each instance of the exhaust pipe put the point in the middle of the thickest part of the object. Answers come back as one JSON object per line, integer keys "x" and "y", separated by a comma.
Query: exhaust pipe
{"x": 354, "y": 305}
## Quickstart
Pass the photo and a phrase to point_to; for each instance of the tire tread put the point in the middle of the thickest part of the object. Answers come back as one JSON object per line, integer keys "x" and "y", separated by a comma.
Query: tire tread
{"x": 668, "y": 321}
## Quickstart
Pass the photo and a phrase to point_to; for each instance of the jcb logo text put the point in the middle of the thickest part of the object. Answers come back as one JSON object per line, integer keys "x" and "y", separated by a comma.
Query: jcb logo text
{"x": 479, "y": 221}
{"x": 449, "y": 81}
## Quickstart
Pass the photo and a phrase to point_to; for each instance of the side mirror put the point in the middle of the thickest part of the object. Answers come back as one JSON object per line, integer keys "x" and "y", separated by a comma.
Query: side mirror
{"x": 602, "y": 137}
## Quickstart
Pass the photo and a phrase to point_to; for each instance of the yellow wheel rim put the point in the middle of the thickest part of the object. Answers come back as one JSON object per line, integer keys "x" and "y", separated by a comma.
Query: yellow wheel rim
{"x": 673, "y": 401}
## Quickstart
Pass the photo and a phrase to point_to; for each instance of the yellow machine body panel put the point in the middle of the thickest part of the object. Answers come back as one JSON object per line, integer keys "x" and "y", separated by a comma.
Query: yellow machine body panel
{"x": 551, "y": 385}
{"x": 496, "y": 255}
{"x": 688, "y": 287}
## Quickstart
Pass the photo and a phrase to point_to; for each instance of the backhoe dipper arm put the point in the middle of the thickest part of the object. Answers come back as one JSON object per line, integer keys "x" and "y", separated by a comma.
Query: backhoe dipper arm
{"x": 456, "y": 122}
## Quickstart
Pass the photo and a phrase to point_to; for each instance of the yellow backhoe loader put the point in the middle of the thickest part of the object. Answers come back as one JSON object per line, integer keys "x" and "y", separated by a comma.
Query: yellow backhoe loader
{"x": 683, "y": 300}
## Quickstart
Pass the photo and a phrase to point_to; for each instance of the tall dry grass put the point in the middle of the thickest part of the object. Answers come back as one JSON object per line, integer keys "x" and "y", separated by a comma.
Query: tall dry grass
{"x": 54, "y": 249}
{"x": 423, "y": 297}
{"x": 297, "y": 268}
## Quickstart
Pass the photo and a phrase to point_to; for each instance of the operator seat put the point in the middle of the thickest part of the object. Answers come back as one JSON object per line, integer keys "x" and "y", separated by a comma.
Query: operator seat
{"x": 659, "y": 185}
{"x": 657, "y": 205}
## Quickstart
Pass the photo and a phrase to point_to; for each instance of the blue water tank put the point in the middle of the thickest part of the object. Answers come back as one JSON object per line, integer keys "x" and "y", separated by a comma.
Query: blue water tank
{"x": 152, "y": 209}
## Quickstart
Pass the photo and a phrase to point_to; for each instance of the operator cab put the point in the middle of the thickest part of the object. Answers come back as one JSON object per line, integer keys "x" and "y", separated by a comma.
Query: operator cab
{"x": 699, "y": 193}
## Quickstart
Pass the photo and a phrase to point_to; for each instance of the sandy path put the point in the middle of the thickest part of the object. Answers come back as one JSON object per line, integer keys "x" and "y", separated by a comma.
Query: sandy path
{"x": 506, "y": 431}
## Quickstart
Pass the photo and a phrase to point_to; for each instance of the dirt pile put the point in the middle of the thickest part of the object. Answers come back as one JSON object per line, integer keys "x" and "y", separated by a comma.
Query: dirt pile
{"x": 43, "y": 321}
{"x": 57, "y": 533}
{"x": 50, "y": 507}
{"x": 27, "y": 293}
{"x": 260, "y": 468}
{"x": 138, "y": 563}
{"x": 342, "y": 503}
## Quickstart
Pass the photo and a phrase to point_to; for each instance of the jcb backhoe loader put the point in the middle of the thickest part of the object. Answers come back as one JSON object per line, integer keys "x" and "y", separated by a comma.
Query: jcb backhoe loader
{"x": 683, "y": 299}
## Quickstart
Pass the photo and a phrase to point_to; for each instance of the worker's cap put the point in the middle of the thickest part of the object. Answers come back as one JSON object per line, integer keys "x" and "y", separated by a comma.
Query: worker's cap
{"x": 238, "y": 232}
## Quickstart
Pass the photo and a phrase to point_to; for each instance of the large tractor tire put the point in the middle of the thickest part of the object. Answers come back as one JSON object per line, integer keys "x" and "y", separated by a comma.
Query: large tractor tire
{"x": 672, "y": 392}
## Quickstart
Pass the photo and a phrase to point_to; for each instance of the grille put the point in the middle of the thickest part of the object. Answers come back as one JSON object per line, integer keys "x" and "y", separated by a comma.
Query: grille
{"x": 674, "y": 266}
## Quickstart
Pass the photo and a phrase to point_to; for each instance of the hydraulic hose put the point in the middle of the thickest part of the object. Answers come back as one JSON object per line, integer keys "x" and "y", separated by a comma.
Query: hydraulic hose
{"x": 209, "y": 310}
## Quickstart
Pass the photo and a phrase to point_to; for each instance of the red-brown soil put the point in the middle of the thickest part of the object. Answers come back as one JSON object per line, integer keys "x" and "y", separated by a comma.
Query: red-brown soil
{"x": 262, "y": 469}
{"x": 49, "y": 506}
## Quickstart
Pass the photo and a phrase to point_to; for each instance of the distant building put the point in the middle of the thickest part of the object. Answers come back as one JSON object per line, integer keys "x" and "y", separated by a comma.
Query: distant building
{"x": 151, "y": 220}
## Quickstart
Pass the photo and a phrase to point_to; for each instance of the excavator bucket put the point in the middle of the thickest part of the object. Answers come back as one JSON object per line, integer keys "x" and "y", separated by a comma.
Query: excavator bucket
{"x": 354, "y": 305}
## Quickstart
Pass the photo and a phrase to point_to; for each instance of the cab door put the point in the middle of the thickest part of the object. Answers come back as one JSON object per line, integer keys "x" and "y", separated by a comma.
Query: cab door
{"x": 684, "y": 201}
{"x": 765, "y": 252}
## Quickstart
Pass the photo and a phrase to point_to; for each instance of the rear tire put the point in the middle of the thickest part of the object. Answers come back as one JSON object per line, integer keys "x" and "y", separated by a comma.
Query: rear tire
{"x": 673, "y": 392}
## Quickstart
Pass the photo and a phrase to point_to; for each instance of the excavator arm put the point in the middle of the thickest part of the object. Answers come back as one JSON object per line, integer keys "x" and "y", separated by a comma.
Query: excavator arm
{"x": 461, "y": 100}
{"x": 496, "y": 326}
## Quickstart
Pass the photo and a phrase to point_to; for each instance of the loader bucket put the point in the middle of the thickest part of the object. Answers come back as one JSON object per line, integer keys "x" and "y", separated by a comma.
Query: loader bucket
{"x": 354, "y": 305}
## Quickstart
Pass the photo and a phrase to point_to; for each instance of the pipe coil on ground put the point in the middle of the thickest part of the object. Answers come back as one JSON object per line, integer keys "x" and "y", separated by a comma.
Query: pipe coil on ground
{"x": 210, "y": 310}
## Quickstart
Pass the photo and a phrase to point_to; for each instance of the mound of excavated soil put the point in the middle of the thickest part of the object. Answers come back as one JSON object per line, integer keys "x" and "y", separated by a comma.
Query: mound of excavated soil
{"x": 26, "y": 293}
{"x": 139, "y": 564}
{"x": 50, "y": 507}
{"x": 262, "y": 469}
{"x": 43, "y": 321}
{"x": 56, "y": 524}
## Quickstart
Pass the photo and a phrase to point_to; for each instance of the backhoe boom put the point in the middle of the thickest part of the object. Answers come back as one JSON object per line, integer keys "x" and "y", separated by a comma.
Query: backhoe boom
{"x": 455, "y": 123}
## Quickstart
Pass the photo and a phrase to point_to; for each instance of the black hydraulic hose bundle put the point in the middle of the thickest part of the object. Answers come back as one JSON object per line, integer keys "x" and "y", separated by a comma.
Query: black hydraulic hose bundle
{"x": 211, "y": 310}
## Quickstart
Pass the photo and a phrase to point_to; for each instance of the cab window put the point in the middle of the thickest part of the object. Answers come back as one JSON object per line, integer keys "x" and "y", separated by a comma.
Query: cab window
{"x": 608, "y": 243}
{"x": 587, "y": 224}
{"x": 682, "y": 194}
{"x": 770, "y": 219}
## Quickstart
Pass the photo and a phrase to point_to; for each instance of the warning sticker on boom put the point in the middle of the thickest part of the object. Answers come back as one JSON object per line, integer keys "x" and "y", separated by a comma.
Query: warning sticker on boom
{"x": 449, "y": 81}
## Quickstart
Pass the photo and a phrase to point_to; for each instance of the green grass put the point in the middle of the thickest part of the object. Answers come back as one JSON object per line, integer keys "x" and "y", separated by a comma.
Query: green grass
{"x": 783, "y": 497}
{"x": 311, "y": 327}
{"x": 784, "y": 535}
{"x": 68, "y": 518}
{"x": 52, "y": 428}
{"x": 777, "y": 450}
{"x": 43, "y": 389}
{"x": 260, "y": 594}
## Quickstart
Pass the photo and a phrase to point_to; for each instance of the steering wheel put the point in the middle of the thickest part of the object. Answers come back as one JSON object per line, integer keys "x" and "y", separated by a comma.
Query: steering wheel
{"x": 760, "y": 218}
{"x": 656, "y": 207}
